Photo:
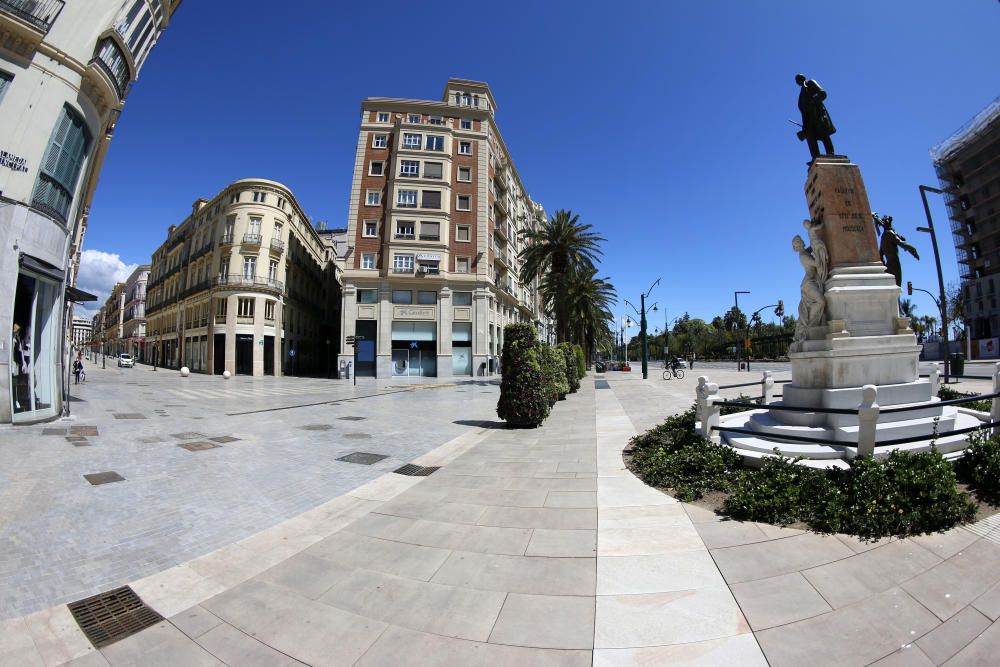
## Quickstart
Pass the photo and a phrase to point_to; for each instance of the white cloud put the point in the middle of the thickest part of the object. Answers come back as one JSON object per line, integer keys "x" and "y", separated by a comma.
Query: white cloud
{"x": 99, "y": 271}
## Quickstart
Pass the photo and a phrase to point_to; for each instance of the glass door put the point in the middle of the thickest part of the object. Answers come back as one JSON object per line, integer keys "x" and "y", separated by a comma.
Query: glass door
{"x": 34, "y": 356}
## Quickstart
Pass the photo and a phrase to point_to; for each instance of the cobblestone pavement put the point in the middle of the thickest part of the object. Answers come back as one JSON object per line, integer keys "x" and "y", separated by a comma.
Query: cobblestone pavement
{"x": 253, "y": 458}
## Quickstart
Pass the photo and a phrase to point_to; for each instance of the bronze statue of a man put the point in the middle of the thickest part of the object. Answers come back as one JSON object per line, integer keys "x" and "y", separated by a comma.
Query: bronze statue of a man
{"x": 889, "y": 246}
{"x": 816, "y": 123}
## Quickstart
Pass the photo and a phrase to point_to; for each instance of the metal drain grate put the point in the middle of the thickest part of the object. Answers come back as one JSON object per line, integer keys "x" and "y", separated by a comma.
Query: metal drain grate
{"x": 107, "y": 617}
{"x": 411, "y": 470}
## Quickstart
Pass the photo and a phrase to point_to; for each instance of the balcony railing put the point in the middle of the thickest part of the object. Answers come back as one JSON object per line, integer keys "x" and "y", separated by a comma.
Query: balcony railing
{"x": 239, "y": 280}
{"x": 226, "y": 239}
{"x": 430, "y": 237}
{"x": 277, "y": 245}
{"x": 251, "y": 239}
{"x": 109, "y": 57}
{"x": 39, "y": 13}
{"x": 404, "y": 237}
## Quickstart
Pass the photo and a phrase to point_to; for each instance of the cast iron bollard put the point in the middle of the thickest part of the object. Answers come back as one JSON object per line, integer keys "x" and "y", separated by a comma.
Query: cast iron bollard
{"x": 707, "y": 408}
{"x": 867, "y": 420}
{"x": 767, "y": 388}
{"x": 995, "y": 403}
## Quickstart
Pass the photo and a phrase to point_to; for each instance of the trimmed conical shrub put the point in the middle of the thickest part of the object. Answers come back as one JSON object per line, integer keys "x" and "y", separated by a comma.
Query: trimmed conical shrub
{"x": 555, "y": 372}
{"x": 523, "y": 398}
{"x": 569, "y": 355}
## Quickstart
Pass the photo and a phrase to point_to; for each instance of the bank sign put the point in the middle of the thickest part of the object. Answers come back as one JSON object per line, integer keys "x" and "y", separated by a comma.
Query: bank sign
{"x": 13, "y": 162}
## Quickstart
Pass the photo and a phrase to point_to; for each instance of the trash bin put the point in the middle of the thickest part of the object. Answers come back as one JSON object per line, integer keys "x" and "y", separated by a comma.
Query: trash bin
{"x": 958, "y": 364}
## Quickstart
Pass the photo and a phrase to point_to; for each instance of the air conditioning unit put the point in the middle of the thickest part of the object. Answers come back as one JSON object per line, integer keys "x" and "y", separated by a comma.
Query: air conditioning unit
{"x": 423, "y": 269}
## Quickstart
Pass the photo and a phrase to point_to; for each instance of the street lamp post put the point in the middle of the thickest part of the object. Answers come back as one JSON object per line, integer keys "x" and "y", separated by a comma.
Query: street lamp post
{"x": 736, "y": 314}
{"x": 943, "y": 300}
{"x": 642, "y": 327}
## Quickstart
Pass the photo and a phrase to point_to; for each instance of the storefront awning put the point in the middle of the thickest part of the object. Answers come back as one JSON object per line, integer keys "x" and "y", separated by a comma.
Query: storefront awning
{"x": 78, "y": 295}
{"x": 41, "y": 267}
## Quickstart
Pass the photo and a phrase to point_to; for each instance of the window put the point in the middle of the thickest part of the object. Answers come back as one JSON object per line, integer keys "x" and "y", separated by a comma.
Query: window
{"x": 409, "y": 168}
{"x": 5, "y": 80}
{"x": 61, "y": 165}
{"x": 369, "y": 228}
{"x": 413, "y": 118}
{"x": 433, "y": 170}
{"x": 368, "y": 260}
{"x": 462, "y": 298}
{"x": 254, "y": 229}
{"x": 376, "y": 168}
{"x": 277, "y": 230}
{"x": 430, "y": 231}
{"x": 435, "y": 142}
{"x": 411, "y": 140}
{"x": 220, "y": 308}
{"x": 373, "y": 198}
{"x": 380, "y": 140}
{"x": 224, "y": 268}
{"x": 463, "y": 233}
{"x": 367, "y": 296}
{"x": 402, "y": 264}
{"x": 260, "y": 197}
{"x": 465, "y": 124}
{"x": 234, "y": 198}
{"x": 272, "y": 270}
{"x": 463, "y": 203}
{"x": 245, "y": 308}
{"x": 467, "y": 99}
{"x": 382, "y": 117}
{"x": 281, "y": 203}
{"x": 435, "y": 120}
{"x": 427, "y": 298}
{"x": 269, "y": 310}
{"x": 461, "y": 265}
{"x": 249, "y": 267}
{"x": 402, "y": 297}
{"x": 465, "y": 147}
{"x": 431, "y": 199}
{"x": 407, "y": 199}
{"x": 465, "y": 174}
{"x": 404, "y": 229}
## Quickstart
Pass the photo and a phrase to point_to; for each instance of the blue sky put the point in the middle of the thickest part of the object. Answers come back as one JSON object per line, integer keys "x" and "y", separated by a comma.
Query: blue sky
{"x": 663, "y": 124}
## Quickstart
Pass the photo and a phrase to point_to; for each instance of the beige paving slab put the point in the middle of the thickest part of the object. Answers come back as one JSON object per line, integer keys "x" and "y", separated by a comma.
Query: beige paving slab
{"x": 736, "y": 651}
{"x": 768, "y": 559}
{"x": 309, "y": 631}
{"x": 562, "y": 543}
{"x": 908, "y": 655}
{"x": 307, "y": 575}
{"x": 854, "y": 635}
{"x": 851, "y": 579}
{"x": 946, "y": 544}
{"x": 354, "y": 550}
{"x": 699, "y": 514}
{"x": 629, "y": 492}
{"x": 496, "y": 497}
{"x": 857, "y": 545}
{"x": 646, "y": 541}
{"x": 719, "y": 533}
{"x": 675, "y": 571}
{"x": 445, "y": 535}
{"x": 949, "y": 586}
{"x": 437, "y": 651}
{"x": 237, "y": 648}
{"x": 546, "y": 621}
{"x": 989, "y": 602}
{"x": 426, "y": 607}
{"x": 16, "y": 645}
{"x": 195, "y": 622}
{"x": 433, "y": 510}
{"x": 579, "y": 499}
{"x": 561, "y": 484}
{"x": 92, "y": 659}
{"x": 953, "y": 635}
{"x": 57, "y": 636}
{"x": 556, "y": 518}
{"x": 175, "y": 589}
{"x": 981, "y": 651}
{"x": 779, "y": 600}
{"x": 519, "y": 574}
{"x": 656, "y": 619}
{"x": 646, "y": 516}
{"x": 161, "y": 645}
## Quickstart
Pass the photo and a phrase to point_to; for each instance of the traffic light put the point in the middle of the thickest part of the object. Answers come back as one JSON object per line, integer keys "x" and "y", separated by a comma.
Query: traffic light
{"x": 909, "y": 288}
{"x": 780, "y": 310}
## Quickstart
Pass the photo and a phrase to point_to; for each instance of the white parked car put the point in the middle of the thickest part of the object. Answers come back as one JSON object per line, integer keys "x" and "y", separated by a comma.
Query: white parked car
{"x": 125, "y": 361}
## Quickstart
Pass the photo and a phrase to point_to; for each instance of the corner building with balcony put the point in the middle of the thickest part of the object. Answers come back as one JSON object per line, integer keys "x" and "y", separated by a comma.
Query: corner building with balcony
{"x": 434, "y": 231}
{"x": 65, "y": 69}
{"x": 244, "y": 284}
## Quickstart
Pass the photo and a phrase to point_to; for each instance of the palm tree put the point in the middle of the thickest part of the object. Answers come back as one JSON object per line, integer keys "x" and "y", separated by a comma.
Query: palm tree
{"x": 907, "y": 308}
{"x": 589, "y": 307}
{"x": 552, "y": 252}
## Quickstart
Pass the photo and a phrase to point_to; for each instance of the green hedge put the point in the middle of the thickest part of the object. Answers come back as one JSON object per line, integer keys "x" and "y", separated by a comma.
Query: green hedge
{"x": 554, "y": 370}
{"x": 979, "y": 467}
{"x": 523, "y": 395}
{"x": 581, "y": 362}
{"x": 569, "y": 357}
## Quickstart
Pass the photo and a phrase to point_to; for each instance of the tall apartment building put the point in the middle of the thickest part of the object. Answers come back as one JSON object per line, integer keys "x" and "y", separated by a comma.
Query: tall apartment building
{"x": 436, "y": 215}
{"x": 244, "y": 284}
{"x": 134, "y": 313}
{"x": 81, "y": 330}
{"x": 968, "y": 166}
{"x": 65, "y": 70}
{"x": 114, "y": 320}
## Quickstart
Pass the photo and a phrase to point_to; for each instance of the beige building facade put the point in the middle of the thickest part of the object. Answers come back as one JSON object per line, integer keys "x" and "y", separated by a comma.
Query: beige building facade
{"x": 244, "y": 284}
{"x": 65, "y": 70}
{"x": 436, "y": 214}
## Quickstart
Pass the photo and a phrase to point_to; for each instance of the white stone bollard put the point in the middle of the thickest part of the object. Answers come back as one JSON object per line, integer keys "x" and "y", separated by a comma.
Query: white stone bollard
{"x": 995, "y": 403}
{"x": 185, "y": 371}
{"x": 226, "y": 375}
{"x": 767, "y": 388}
{"x": 867, "y": 420}
{"x": 707, "y": 409}
{"x": 935, "y": 380}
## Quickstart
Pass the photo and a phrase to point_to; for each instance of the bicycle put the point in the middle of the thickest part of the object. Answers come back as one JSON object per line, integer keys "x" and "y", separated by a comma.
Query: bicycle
{"x": 673, "y": 373}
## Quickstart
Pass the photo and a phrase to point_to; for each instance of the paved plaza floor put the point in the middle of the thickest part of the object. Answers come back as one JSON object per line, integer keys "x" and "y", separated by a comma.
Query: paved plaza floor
{"x": 526, "y": 547}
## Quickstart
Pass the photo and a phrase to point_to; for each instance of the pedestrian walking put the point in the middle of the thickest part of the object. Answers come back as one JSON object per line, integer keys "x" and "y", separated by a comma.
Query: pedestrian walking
{"x": 77, "y": 369}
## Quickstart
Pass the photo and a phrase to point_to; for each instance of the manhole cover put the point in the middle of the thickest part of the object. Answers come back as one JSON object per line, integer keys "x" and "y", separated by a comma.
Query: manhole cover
{"x": 224, "y": 439}
{"x": 76, "y": 438}
{"x": 117, "y": 614}
{"x": 151, "y": 439}
{"x": 316, "y": 427}
{"x": 602, "y": 384}
{"x": 128, "y": 415}
{"x": 53, "y": 431}
{"x": 198, "y": 446}
{"x": 89, "y": 431}
{"x": 352, "y": 419}
{"x": 411, "y": 470}
{"x": 364, "y": 458}
{"x": 97, "y": 478}
{"x": 357, "y": 436}
{"x": 187, "y": 435}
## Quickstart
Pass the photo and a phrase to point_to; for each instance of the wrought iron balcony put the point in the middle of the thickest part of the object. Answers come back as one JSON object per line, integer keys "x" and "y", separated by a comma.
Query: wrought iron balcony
{"x": 226, "y": 239}
{"x": 251, "y": 239}
{"x": 277, "y": 245}
{"x": 239, "y": 280}
{"x": 39, "y": 13}
{"x": 112, "y": 61}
